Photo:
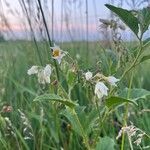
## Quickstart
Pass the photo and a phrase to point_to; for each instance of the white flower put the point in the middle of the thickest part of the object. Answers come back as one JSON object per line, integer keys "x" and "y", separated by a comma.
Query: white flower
{"x": 47, "y": 73}
{"x": 112, "y": 80}
{"x": 138, "y": 141}
{"x": 88, "y": 75}
{"x": 57, "y": 53}
{"x": 44, "y": 75}
{"x": 41, "y": 77}
{"x": 47, "y": 70}
{"x": 33, "y": 70}
{"x": 101, "y": 90}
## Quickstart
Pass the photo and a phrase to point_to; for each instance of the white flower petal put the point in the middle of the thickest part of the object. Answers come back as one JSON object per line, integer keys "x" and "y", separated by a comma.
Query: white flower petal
{"x": 55, "y": 47}
{"x": 41, "y": 77}
{"x": 47, "y": 79}
{"x": 112, "y": 80}
{"x": 101, "y": 89}
{"x": 88, "y": 75}
{"x": 59, "y": 58}
{"x": 47, "y": 70}
{"x": 33, "y": 70}
{"x": 58, "y": 53}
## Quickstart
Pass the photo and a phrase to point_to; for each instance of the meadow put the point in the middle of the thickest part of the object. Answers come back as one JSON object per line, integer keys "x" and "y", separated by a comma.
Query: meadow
{"x": 80, "y": 95}
{"x": 46, "y": 121}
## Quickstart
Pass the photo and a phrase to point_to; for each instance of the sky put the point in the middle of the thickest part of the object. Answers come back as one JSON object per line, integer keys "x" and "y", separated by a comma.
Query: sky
{"x": 75, "y": 12}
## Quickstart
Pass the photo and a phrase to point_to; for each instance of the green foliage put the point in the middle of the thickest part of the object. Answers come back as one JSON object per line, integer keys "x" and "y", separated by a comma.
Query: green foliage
{"x": 114, "y": 101}
{"x": 71, "y": 77}
{"x": 105, "y": 143}
{"x": 135, "y": 94}
{"x": 144, "y": 58}
{"x": 67, "y": 113}
{"x": 55, "y": 98}
{"x": 144, "y": 19}
{"x": 140, "y": 21}
{"x": 126, "y": 16}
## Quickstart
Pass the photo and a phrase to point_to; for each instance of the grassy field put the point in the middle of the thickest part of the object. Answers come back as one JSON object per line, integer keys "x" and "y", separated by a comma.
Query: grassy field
{"x": 46, "y": 125}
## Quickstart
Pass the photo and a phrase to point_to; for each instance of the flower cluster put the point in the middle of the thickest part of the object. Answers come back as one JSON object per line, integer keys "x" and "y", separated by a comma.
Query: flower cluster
{"x": 100, "y": 88}
{"x": 132, "y": 131}
{"x": 44, "y": 74}
{"x": 27, "y": 128}
{"x": 111, "y": 24}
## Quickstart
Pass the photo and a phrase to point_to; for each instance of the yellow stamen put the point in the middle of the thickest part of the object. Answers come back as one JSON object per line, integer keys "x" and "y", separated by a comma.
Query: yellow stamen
{"x": 56, "y": 52}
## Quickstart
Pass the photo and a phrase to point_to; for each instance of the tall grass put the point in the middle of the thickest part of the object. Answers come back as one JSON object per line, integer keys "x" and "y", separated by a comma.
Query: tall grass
{"x": 50, "y": 129}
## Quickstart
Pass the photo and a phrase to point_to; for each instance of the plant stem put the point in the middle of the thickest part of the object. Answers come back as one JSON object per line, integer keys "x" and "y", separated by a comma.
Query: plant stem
{"x": 48, "y": 35}
{"x": 84, "y": 136}
{"x": 126, "y": 115}
{"x": 134, "y": 62}
{"x": 96, "y": 102}
{"x": 101, "y": 123}
{"x": 132, "y": 65}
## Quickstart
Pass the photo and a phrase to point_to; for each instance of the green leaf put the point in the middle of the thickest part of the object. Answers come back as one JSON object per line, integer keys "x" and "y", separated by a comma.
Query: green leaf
{"x": 114, "y": 101}
{"x": 55, "y": 98}
{"x": 71, "y": 76}
{"x": 144, "y": 58}
{"x": 105, "y": 143}
{"x": 126, "y": 16}
{"x": 79, "y": 93}
{"x": 69, "y": 114}
{"x": 144, "y": 19}
{"x": 135, "y": 94}
{"x": 146, "y": 43}
{"x": 86, "y": 118}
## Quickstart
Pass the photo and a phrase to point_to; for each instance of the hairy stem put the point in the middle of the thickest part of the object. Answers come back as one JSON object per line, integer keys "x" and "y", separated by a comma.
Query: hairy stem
{"x": 126, "y": 116}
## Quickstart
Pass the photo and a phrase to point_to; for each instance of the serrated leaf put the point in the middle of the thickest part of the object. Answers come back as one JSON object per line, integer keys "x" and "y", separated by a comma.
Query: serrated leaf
{"x": 135, "y": 94}
{"x": 56, "y": 98}
{"x": 114, "y": 101}
{"x": 105, "y": 143}
{"x": 126, "y": 16}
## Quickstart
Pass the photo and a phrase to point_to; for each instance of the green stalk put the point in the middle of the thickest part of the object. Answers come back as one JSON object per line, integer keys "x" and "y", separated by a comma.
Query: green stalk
{"x": 126, "y": 116}
{"x": 127, "y": 105}
{"x": 132, "y": 65}
{"x": 84, "y": 136}
{"x": 101, "y": 123}
{"x": 48, "y": 35}
{"x": 134, "y": 62}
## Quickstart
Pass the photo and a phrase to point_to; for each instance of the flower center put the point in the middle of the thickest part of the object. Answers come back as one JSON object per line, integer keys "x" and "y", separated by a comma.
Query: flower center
{"x": 56, "y": 52}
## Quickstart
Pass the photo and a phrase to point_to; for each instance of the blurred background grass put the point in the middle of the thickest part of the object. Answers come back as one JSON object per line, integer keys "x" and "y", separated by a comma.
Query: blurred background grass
{"x": 18, "y": 90}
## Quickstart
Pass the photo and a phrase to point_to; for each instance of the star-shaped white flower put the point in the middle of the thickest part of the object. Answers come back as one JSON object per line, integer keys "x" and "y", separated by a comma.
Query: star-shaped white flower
{"x": 112, "y": 80}
{"x": 57, "y": 53}
{"x": 33, "y": 70}
{"x": 88, "y": 75}
{"x": 101, "y": 90}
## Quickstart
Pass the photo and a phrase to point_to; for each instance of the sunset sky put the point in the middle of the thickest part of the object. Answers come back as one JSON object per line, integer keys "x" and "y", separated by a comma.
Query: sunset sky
{"x": 77, "y": 18}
